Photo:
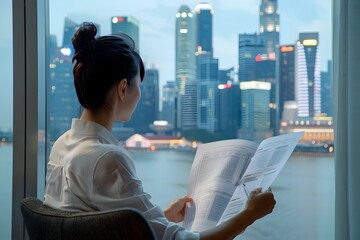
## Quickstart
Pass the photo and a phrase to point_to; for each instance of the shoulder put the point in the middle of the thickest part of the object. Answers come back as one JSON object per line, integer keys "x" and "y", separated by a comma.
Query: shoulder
{"x": 115, "y": 158}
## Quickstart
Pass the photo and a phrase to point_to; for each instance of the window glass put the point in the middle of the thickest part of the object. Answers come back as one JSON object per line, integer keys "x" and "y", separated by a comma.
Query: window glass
{"x": 6, "y": 124}
{"x": 195, "y": 57}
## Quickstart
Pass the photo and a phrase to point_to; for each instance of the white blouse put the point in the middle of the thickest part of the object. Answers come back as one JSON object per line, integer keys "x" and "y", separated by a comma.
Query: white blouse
{"x": 89, "y": 170}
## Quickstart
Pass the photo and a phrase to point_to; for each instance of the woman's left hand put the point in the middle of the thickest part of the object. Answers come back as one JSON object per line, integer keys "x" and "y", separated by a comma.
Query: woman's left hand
{"x": 176, "y": 210}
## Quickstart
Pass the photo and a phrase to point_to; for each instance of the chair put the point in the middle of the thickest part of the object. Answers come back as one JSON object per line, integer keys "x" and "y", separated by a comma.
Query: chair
{"x": 43, "y": 222}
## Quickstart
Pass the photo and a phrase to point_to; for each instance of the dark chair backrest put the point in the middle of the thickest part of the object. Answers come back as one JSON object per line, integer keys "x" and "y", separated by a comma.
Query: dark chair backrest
{"x": 43, "y": 222}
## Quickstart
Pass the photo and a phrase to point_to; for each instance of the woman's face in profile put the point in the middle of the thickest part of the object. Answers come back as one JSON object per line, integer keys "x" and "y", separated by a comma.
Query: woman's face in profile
{"x": 132, "y": 97}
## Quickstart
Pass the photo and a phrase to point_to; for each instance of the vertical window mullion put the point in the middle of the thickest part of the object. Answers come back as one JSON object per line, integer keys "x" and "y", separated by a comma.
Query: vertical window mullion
{"x": 25, "y": 96}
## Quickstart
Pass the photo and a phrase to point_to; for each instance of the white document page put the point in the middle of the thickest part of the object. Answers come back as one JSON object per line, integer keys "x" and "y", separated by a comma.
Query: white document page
{"x": 215, "y": 173}
{"x": 269, "y": 159}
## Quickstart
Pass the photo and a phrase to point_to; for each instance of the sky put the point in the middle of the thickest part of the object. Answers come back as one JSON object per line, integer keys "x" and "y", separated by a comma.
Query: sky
{"x": 157, "y": 28}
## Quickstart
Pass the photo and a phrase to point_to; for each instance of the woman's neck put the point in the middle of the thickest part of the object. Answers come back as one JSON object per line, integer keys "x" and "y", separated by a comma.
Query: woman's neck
{"x": 101, "y": 117}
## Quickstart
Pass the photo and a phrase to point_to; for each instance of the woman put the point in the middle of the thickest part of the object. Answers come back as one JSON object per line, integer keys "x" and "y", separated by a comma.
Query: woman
{"x": 88, "y": 170}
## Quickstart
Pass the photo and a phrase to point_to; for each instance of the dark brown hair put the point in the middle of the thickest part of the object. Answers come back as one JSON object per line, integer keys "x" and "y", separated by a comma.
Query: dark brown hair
{"x": 100, "y": 63}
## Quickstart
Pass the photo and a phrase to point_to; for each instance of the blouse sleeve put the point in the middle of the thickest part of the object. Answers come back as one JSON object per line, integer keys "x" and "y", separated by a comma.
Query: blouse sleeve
{"x": 115, "y": 185}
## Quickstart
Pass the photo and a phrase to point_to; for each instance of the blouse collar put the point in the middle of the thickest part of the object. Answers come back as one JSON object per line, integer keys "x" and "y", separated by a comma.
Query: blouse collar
{"x": 90, "y": 128}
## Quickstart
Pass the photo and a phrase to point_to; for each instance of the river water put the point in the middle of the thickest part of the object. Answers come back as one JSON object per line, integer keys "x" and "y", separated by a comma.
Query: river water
{"x": 304, "y": 191}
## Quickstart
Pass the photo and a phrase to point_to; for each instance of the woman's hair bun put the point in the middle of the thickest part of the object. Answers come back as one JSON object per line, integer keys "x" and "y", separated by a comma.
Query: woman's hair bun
{"x": 84, "y": 36}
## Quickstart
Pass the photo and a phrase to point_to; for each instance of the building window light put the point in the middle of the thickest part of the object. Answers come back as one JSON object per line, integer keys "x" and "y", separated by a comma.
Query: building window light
{"x": 183, "y": 30}
{"x": 269, "y": 10}
{"x": 270, "y": 28}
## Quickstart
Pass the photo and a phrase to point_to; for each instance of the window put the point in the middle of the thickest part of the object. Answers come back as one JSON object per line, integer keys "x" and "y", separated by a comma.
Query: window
{"x": 304, "y": 190}
{"x": 6, "y": 123}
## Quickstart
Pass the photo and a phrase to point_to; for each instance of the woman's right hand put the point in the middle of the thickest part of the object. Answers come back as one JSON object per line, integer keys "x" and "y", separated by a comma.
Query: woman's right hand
{"x": 260, "y": 203}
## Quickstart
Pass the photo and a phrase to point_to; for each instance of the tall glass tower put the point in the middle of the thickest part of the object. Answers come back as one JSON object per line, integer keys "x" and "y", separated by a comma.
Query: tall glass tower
{"x": 327, "y": 91}
{"x": 287, "y": 75}
{"x": 208, "y": 95}
{"x": 185, "y": 73}
{"x": 307, "y": 75}
{"x": 255, "y": 101}
{"x": 250, "y": 46}
{"x": 168, "y": 102}
{"x": 255, "y": 112}
{"x": 269, "y": 25}
{"x": 204, "y": 14}
{"x": 128, "y": 25}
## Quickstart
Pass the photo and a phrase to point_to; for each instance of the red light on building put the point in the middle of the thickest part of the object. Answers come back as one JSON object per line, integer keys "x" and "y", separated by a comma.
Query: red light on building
{"x": 258, "y": 58}
{"x": 286, "y": 49}
{"x": 120, "y": 19}
{"x": 224, "y": 86}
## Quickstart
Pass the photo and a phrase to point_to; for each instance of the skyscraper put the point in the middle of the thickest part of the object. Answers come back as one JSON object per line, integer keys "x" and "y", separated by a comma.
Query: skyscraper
{"x": 204, "y": 24}
{"x": 250, "y": 46}
{"x": 208, "y": 93}
{"x": 269, "y": 25}
{"x": 168, "y": 102}
{"x": 229, "y": 113}
{"x": 287, "y": 75}
{"x": 185, "y": 72}
{"x": 327, "y": 91}
{"x": 63, "y": 103}
{"x": 128, "y": 25}
{"x": 307, "y": 75}
{"x": 265, "y": 66}
{"x": 229, "y": 109}
{"x": 255, "y": 112}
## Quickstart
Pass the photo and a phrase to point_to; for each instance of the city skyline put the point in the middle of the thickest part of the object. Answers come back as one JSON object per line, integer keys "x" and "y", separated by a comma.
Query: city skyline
{"x": 157, "y": 27}
{"x": 157, "y": 30}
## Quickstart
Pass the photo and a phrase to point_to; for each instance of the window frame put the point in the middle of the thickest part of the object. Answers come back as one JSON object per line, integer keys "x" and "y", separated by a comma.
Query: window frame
{"x": 29, "y": 17}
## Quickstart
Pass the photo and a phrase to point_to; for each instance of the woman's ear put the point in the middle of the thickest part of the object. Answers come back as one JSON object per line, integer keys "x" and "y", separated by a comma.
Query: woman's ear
{"x": 122, "y": 88}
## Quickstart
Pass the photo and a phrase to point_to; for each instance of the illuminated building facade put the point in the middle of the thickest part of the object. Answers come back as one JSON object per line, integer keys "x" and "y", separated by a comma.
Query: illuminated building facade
{"x": 269, "y": 25}
{"x": 255, "y": 99}
{"x": 128, "y": 25}
{"x": 185, "y": 69}
{"x": 287, "y": 76}
{"x": 250, "y": 46}
{"x": 317, "y": 130}
{"x": 157, "y": 142}
{"x": 255, "y": 112}
{"x": 307, "y": 75}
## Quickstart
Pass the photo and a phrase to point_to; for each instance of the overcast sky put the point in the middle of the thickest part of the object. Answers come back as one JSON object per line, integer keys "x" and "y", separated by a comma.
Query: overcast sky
{"x": 157, "y": 28}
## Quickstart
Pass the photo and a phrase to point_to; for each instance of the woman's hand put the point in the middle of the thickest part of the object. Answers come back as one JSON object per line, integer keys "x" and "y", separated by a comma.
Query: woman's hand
{"x": 176, "y": 210}
{"x": 260, "y": 203}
